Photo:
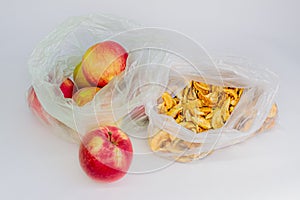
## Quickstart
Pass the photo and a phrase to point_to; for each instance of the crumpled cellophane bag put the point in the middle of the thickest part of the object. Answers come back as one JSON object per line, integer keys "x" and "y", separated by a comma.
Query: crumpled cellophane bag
{"x": 159, "y": 60}
{"x": 255, "y": 112}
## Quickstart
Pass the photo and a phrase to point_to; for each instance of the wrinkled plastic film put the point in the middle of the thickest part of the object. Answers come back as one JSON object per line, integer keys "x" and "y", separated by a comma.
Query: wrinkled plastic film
{"x": 159, "y": 60}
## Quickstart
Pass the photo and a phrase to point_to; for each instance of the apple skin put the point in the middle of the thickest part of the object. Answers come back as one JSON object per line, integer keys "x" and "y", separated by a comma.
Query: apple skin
{"x": 105, "y": 154}
{"x": 102, "y": 62}
{"x": 79, "y": 78}
{"x": 36, "y": 107}
{"x": 85, "y": 95}
{"x": 67, "y": 87}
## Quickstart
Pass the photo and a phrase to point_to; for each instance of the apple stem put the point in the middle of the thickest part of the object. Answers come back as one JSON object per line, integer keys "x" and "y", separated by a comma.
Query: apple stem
{"x": 109, "y": 133}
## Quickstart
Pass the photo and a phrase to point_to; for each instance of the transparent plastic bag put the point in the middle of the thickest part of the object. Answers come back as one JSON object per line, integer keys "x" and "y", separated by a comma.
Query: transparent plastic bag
{"x": 159, "y": 60}
{"x": 255, "y": 112}
{"x": 55, "y": 58}
{"x": 57, "y": 126}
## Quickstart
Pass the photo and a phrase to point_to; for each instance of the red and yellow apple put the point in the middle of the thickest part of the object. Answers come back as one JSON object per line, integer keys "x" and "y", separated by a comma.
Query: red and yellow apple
{"x": 79, "y": 77}
{"x": 102, "y": 62}
{"x": 36, "y": 107}
{"x": 105, "y": 154}
{"x": 67, "y": 87}
{"x": 85, "y": 95}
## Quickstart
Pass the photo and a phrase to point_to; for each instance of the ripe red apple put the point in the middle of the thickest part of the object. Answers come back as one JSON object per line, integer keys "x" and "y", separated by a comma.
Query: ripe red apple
{"x": 67, "y": 87}
{"x": 85, "y": 95}
{"x": 102, "y": 62}
{"x": 36, "y": 107}
{"x": 105, "y": 154}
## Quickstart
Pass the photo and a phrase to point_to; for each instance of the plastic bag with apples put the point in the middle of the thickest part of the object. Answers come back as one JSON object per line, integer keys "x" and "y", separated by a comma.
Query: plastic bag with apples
{"x": 144, "y": 64}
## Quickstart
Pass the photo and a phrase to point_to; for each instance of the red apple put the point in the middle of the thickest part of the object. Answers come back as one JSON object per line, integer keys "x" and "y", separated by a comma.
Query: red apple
{"x": 67, "y": 88}
{"x": 85, "y": 95}
{"x": 102, "y": 62}
{"x": 105, "y": 154}
{"x": 36, "y": 107}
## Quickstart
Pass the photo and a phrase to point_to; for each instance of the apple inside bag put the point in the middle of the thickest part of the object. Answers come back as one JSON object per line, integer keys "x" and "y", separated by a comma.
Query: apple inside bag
{"x": 57, "y": 126}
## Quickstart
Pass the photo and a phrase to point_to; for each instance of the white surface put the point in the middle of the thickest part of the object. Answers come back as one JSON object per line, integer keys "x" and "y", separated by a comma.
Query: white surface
{"x": 38, "y": 165}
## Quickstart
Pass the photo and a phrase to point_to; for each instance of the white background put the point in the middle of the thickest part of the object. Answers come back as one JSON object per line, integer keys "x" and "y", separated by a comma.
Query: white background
{"x": 36, "y": 164}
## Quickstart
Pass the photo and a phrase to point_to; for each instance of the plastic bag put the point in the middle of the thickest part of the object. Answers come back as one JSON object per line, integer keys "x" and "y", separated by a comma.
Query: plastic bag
{"x": 255, "y": 111}
{"x": 159, "y": 60}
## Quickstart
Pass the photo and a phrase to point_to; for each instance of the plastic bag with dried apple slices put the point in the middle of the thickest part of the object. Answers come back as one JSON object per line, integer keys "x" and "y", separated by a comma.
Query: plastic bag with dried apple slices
{"x": 159, "y": 60}
{"x": 254, "y": 112}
